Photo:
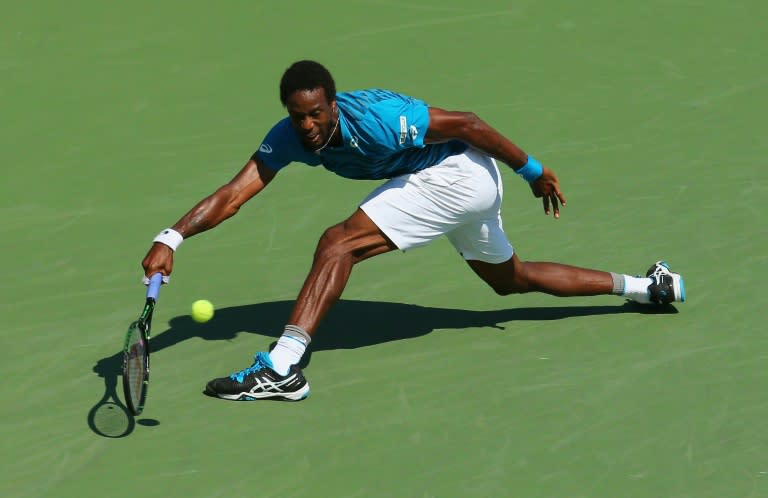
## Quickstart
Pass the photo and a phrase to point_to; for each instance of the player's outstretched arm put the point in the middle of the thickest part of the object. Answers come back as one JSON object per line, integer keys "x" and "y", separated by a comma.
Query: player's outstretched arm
{"x": 224, "y": 203}
{"x": 468, "y": 127}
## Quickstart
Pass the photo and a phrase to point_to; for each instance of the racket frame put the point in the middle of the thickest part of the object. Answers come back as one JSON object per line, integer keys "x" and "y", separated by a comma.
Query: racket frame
{"x": 144, "y": 325}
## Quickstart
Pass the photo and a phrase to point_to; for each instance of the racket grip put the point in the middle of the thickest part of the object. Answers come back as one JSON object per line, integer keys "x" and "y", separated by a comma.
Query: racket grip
{"x": 155, "y": 281}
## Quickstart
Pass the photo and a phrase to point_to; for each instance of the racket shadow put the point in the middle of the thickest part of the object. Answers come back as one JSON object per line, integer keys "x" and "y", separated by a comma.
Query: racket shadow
{"x": 109, "y": 417}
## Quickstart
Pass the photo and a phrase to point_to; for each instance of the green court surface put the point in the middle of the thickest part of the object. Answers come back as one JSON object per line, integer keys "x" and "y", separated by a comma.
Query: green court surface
{"x": 117, "y": 118}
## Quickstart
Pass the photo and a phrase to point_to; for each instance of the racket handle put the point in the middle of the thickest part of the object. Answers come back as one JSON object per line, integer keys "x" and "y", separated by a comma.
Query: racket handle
{"x": 153, "y": 290}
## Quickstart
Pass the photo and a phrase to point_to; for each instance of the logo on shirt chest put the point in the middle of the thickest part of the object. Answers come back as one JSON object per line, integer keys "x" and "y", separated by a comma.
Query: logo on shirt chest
{"x": 353, "y": 142}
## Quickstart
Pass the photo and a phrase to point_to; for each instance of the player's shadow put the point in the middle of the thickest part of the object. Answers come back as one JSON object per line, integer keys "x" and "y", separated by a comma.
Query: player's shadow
{"x": 350, "y": 324}
{"x": 353, "y": 324}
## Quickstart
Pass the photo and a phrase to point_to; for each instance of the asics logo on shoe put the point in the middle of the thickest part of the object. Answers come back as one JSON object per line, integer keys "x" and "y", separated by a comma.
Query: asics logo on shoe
{"x": 266, "y": 385}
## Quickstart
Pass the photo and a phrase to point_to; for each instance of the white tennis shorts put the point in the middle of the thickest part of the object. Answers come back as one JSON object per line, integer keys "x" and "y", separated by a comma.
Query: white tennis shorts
{"x": 460, "y": 198}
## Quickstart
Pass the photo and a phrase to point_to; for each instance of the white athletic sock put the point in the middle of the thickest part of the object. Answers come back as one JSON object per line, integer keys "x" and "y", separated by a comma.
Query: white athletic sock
{"x": 289, "y": 348}
{"x": 636, "y": 288}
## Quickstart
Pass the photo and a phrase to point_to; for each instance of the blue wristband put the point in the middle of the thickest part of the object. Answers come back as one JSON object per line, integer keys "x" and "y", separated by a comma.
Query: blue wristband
{"x": 531, "y": 171}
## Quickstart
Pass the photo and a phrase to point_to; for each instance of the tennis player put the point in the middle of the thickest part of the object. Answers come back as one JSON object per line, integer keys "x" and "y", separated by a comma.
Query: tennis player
{"x": 441, "y": 179}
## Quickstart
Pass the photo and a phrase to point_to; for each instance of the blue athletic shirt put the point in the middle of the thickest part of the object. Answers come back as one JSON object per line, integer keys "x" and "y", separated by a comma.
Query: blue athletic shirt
{"x": 382, "y": 137}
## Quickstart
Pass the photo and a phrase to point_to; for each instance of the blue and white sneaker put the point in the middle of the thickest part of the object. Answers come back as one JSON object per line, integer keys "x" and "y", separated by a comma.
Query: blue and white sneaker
{"x": 667, "y": 287}
{"x": 260, "y": 381}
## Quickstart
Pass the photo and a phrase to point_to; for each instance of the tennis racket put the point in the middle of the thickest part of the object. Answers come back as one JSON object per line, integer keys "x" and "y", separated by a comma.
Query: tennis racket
{"x": 136, "y": 351}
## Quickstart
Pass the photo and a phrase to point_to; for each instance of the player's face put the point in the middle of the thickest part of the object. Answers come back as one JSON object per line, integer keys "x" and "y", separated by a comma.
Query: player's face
{"x": 312, "y": 116}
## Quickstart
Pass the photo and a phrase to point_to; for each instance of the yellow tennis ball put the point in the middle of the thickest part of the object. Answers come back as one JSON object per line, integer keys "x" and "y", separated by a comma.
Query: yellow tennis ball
{"x": 202, "y": 310}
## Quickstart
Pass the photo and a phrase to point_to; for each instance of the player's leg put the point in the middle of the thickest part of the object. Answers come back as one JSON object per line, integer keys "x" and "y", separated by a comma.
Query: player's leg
{"x": 485, "y": 247}
{"x": 275, "y": 375}
{"x": 482, "y": 242}
{"x": 515, "y": 276}
{"x": 488, "y": 252}
{"x": 659, "y": 286}
{"x": 341, "y": 246}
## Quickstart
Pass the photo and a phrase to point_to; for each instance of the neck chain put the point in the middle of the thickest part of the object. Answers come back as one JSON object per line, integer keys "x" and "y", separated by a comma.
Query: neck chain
{"x": 330, "y": 137}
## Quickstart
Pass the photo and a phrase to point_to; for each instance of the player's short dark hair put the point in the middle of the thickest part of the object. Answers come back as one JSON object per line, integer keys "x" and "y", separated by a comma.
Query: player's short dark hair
{"x": 306, "y": 75}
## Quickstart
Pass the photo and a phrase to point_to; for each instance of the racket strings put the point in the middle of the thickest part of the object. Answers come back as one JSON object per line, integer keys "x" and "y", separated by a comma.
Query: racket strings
{"x": 135, "y": 367}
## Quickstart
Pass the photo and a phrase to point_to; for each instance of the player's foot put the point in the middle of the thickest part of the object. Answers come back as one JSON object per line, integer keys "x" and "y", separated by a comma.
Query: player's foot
{"x": 260, "y": 381}
{"x": 667, "y": 287}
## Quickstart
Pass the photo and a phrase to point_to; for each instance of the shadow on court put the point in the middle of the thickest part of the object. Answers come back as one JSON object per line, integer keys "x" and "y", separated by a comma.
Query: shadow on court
{"x": 109, "y": 417}
{"x": 354, "y": 324}
{"x": 349, "y": 325}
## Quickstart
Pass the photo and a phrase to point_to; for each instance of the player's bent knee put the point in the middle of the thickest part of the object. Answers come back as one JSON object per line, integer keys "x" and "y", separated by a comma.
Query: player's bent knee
{"x": 337, "y": 242}
{"x": 331, "y": 243}
{"x": 351, "y": 241}
{"x": 506, "y": 288}
{"x": 506, "y": 278}
{"x": 517, "y": 284}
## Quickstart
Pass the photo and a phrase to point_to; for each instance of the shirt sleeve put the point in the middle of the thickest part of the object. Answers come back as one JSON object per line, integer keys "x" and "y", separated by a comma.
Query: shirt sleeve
{"x": 396, "y": 123}
{"x": 279, "y": 147}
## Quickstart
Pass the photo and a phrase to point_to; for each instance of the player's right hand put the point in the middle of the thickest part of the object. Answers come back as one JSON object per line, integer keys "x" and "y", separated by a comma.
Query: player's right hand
{"x": 159, "y": 258}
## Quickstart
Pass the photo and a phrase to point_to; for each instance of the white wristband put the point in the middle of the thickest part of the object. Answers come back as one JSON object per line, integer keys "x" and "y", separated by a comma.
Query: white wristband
{"x": 169, "y": 237}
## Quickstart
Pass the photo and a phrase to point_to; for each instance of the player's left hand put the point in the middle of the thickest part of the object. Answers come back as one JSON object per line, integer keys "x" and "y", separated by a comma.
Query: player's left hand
{"x": 548, "y": 188}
